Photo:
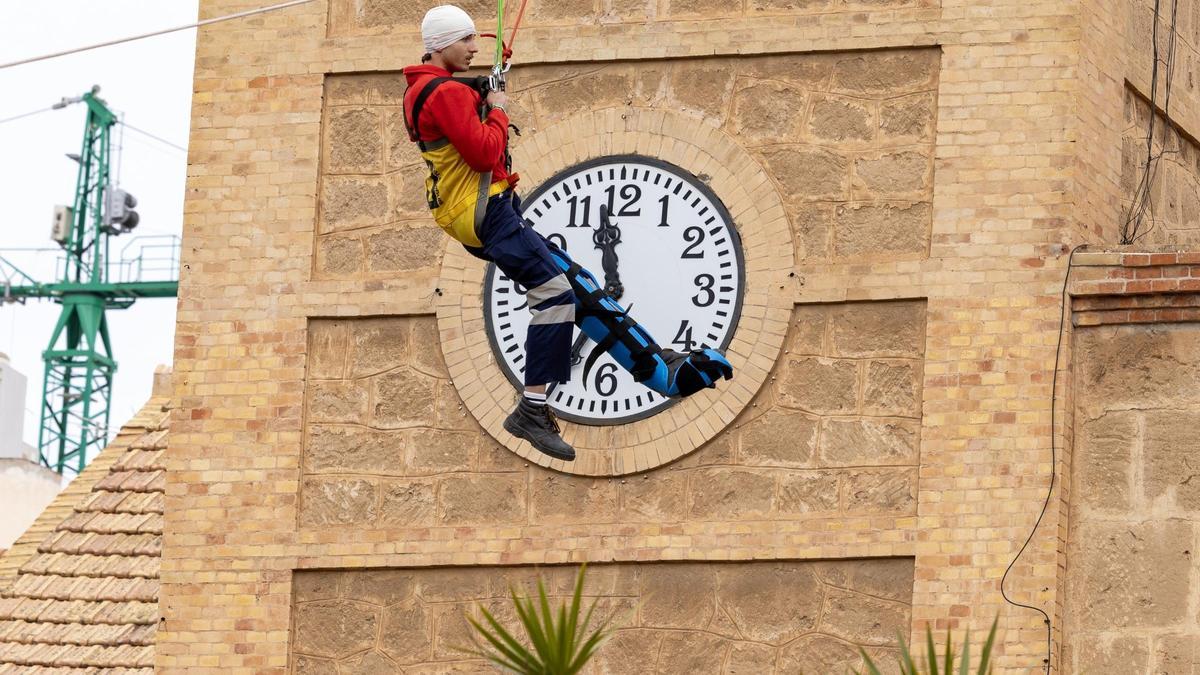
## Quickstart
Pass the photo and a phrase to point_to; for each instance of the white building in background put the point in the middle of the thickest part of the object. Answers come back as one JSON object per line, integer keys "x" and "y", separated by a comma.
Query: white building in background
{"x": 26, "y": 487}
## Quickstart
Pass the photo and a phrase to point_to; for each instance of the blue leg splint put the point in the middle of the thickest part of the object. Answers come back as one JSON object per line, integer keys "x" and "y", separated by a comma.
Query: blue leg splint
{"x": 668, "y": 372}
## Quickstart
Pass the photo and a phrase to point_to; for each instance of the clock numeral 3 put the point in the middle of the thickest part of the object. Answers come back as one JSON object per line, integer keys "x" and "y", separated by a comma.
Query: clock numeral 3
{"x": 683, "y": 338}
{"x": 705, "y": 283}
{"x": 689, "y": 234}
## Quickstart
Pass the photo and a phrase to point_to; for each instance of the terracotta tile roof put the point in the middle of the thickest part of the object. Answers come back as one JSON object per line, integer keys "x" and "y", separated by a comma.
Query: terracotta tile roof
{"x": 79, "y": 591}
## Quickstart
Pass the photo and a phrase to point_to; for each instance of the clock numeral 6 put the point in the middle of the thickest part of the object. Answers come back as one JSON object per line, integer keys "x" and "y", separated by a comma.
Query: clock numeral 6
{"x": 690, "y": 234}
{"x": 705, "y": 283}
{"x": 606, "y": 379}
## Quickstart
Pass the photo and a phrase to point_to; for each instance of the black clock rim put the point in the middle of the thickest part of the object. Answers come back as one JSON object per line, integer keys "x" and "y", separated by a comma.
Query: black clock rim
{"x": 700, "y": 186}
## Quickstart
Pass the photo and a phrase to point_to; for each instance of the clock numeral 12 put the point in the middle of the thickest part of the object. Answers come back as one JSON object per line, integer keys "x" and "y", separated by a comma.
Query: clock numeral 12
{"x": 631, "y": 194}
{"x": 665, "y": 201}
{"x": 587, "y": 211}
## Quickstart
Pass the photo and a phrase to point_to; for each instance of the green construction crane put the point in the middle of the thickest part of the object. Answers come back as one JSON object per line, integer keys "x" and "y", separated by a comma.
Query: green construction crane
{"x": 77, "y": 388}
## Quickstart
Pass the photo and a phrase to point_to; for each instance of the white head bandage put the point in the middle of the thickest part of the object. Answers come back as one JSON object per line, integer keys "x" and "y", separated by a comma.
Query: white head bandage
{"x": 445, "y": 25}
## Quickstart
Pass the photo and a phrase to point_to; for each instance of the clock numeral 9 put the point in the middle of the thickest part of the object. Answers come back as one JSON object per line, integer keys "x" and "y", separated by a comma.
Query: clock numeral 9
{"x": 683, "y": 338}
{"x": 705, "y": 283}
{"x": 606, "y": 379}
{"x": 690, "y": 234}
{"x": 558, "y": 240}
{"x": 631, "y": 194}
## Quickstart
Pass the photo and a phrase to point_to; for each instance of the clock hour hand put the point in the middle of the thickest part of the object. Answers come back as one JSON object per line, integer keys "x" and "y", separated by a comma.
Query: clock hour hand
{"x": 606, "y": 237}
{"x": 576, "y": 358}
{"x": 577, "y": 348}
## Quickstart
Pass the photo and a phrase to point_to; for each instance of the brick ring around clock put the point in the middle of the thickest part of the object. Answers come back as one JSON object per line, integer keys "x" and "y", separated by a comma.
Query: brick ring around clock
{"x": 702, "y": 254}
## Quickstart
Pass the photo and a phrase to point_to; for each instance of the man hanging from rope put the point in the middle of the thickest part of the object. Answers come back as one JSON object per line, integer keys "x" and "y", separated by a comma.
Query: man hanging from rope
{"x": 461, "y": 128}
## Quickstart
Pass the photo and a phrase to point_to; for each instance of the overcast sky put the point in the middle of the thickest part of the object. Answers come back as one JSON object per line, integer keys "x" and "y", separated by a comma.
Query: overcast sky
{"x": 150, "y": 81}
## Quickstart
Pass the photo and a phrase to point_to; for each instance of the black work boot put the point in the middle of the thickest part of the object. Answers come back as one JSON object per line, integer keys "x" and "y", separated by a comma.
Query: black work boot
{"x": 536, "y": 424}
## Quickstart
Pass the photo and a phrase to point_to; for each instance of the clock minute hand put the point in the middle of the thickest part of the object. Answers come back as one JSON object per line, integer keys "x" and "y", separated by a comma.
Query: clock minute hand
{"x": 606, "y": 237}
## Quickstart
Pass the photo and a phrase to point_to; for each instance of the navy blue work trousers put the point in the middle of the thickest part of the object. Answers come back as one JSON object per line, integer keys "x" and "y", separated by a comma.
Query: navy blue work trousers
{"x": 523, "y": 256}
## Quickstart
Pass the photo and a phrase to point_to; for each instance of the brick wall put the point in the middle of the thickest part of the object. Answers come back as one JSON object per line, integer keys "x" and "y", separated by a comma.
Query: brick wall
{"x": 999, "y": 155}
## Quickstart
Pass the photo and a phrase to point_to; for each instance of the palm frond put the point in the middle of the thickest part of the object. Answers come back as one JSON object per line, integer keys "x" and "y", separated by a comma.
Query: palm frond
{"x": 909, "y": 667}
{"x": 553, "y": 637}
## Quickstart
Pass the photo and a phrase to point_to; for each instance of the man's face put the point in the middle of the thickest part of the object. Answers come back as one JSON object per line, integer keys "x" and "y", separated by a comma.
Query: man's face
{"x": 458, "y": 55}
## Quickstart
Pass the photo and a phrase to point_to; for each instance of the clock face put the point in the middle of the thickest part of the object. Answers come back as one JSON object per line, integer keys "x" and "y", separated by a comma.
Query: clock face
{"x": 670, "y": 245}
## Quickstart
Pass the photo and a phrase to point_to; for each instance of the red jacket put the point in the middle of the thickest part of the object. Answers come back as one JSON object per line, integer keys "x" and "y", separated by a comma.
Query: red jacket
{"x": 451, "y": 112}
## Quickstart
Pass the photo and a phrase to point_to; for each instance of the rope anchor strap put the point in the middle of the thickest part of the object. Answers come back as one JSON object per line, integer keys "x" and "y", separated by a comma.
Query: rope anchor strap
{"x": 501, "y": 61}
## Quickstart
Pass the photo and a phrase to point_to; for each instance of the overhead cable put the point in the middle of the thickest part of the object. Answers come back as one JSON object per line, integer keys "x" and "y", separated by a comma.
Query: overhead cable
{"x": 23, "y": 115}
{"x": 157, "y": 138}
{"x": 198, "y": 24}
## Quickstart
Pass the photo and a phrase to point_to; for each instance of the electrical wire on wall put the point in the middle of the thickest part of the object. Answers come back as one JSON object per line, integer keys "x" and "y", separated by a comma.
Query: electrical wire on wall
{"x": 1135, "y": 224}
{"x": 1062, "y": 323}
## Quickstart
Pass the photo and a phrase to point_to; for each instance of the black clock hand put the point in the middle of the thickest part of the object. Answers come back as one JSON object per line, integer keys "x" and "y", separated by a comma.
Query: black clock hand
{"x": 577, "y": 348}
{"x": 576, "y": 358}
{"x": 606, "y": 237}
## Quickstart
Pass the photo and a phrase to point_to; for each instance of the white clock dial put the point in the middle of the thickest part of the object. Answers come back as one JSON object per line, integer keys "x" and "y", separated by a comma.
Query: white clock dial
{"x": 679, "y": 261}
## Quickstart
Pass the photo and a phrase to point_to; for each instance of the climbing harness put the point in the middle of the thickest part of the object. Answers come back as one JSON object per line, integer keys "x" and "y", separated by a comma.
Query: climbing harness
{"x": 501, "y": 64}
{"x": 456, "y": 194}
{"x": 670, "y": 373}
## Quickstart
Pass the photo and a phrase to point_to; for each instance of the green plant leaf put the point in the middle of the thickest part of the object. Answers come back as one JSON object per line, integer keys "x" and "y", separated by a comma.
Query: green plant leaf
{"x": 985, "y": 660}
{"x": 547, "y": 617}
{"x": 931, "y": 651}
{"x": 869, "y": 664}
{"x": 907, "y": 665}
{"x": 573, "y": 616}
{"x": 591, "y": 645}
{"x": 965, "y": 666}
{"x": 515, "y": 650}
{"x": 949, "y": 669}
{"x": 501, "y": 640}
{"x": 528, "y": 616}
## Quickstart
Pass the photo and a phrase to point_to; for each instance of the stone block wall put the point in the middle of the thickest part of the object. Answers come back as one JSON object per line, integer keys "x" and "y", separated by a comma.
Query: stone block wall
{"x": 1130, "y": 581}
{"x": 1117, "y": 56}
{"x": 848, "y": 138}
{"x": 738, "y": 617}
{"x": 836, "y": 434}
{"x": 1173, "y": 214}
